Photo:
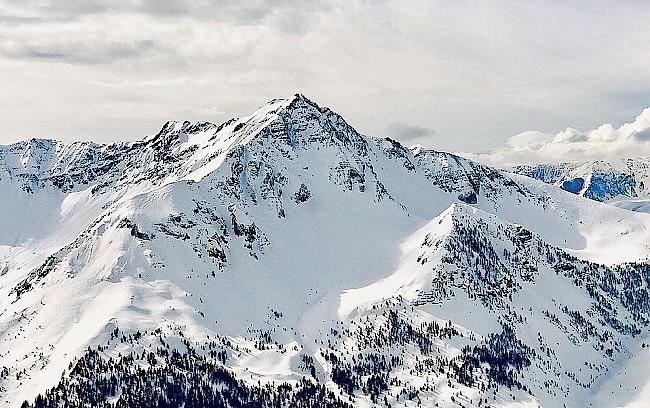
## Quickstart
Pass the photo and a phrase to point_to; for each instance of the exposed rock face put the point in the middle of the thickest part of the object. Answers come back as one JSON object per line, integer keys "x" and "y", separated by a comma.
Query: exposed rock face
{"x": 597, "y": 180}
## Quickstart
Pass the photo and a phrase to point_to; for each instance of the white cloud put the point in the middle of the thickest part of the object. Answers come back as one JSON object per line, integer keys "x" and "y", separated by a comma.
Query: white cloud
{"x": 529, "y": 139}
{"x": 604, "y": 142}
{"x": 476, "y": 72}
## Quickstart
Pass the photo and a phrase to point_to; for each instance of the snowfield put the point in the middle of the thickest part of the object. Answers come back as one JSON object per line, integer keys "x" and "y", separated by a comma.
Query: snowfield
{"x": 285, "y": 257}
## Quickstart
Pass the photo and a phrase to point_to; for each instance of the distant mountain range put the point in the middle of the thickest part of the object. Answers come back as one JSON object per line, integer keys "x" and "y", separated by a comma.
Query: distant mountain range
{"x": 624, "y": 183}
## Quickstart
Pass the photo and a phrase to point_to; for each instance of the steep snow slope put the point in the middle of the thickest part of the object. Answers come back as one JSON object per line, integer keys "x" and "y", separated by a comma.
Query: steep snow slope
{"x": 284, "y": 245}
{"x": 639, "y": 205}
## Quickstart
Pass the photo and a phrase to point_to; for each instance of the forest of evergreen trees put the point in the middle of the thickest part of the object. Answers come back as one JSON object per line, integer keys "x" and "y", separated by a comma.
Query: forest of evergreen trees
{"x": 172, "y": 379}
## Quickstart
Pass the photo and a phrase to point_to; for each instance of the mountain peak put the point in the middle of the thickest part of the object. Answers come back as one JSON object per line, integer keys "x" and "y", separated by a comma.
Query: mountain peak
{"x": 289, "y": 104}
{"x": 296, "y": 97}
{"x": 280, "y": 116}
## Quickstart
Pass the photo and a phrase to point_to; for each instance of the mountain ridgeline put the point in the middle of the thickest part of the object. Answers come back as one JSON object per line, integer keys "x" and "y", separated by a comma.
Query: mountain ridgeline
{"x": 283, "y": 259}
{"x": 597, "y": 180}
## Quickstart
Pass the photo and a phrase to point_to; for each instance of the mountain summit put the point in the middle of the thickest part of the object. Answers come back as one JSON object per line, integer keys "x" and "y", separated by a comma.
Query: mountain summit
{"x": 284, "y": 259}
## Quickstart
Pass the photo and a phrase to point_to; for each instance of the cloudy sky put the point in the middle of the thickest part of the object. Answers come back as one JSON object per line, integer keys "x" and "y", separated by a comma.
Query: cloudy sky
{"x": 454, "y": 75}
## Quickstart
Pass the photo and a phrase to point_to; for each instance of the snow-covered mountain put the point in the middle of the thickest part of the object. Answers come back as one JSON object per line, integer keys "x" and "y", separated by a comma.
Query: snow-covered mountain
{"x": 598, "y": 180}
{"x": 284, "y": 259}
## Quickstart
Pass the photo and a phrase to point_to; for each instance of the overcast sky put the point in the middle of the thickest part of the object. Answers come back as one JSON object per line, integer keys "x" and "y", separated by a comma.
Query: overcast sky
{"x": 453, "y": 75}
